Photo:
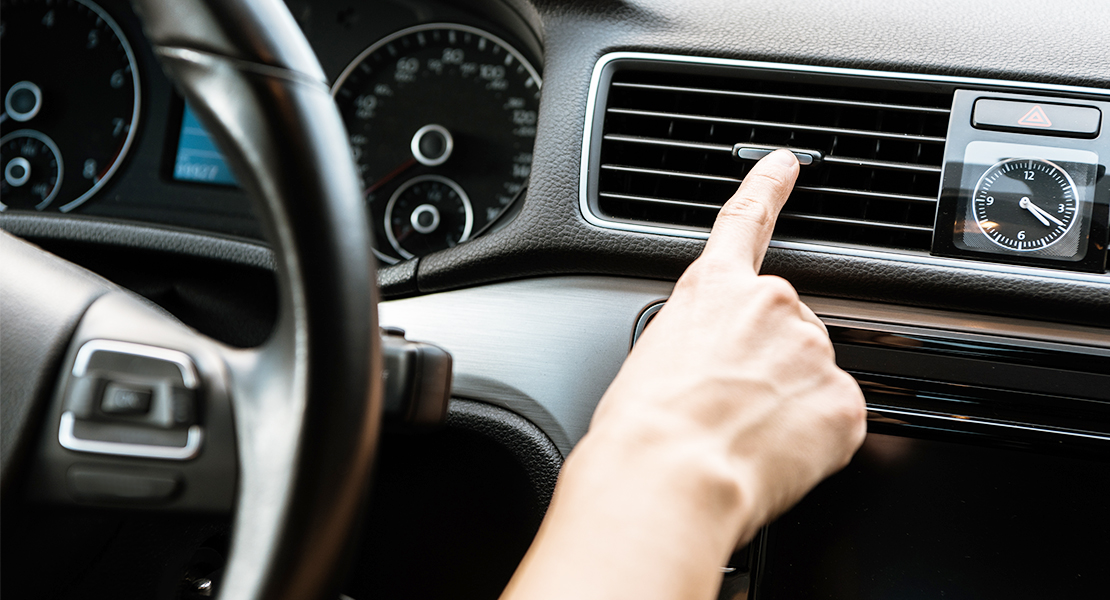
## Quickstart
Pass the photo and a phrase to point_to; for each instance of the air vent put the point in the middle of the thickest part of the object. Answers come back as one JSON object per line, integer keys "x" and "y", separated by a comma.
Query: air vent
{"x": 664, "y": 154}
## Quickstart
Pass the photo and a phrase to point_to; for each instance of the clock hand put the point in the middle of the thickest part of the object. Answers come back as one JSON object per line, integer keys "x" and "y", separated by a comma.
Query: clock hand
{"x": 1032, "y": 208}
{"x": 1044, "y": 213}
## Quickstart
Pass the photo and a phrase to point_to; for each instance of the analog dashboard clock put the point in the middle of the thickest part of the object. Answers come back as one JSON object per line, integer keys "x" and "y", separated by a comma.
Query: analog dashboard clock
{"x": 1025, "y": 204}
{"x": 1025, "y": 191}
{"x": 1032, "y": 205}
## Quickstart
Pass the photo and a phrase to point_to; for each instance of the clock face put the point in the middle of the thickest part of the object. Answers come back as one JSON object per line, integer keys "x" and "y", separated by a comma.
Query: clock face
{"x": 1025, "y": 204}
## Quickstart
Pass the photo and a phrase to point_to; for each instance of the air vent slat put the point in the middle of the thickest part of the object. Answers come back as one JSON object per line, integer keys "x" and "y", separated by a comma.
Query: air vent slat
{"x": 676, "y": 143}
{"x": 855, "y": 222}
{"x": 803, "y": 99}
{"x": 664, "y": 173}
{"x": 882, "y": 164}
{"x": 801, "y": 188}
{"x": 882, "y": 135}
{"x": 862, "y": 194}
{"x": 859, "y": 162}
{"x": 660, "y": 201}
{"x": 784, "y": 215}
{"x": 663, "y": 136}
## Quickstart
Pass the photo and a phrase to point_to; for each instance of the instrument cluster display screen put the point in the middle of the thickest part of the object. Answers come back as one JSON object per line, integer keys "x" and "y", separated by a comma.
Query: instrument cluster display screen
{"x": 197, "y": 158}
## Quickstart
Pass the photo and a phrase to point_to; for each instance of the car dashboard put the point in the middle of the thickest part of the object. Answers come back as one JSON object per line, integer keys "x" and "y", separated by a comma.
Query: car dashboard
{"x": 538, "y": 174}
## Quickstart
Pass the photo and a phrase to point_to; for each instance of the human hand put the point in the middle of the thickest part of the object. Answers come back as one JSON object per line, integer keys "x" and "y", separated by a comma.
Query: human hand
{"x": 728, "y": 410}
{"x": 735, "y": 376}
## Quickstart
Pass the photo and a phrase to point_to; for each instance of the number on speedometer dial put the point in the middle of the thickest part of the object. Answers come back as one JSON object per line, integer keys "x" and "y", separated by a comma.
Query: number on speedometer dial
{"x": 441, "y": 103}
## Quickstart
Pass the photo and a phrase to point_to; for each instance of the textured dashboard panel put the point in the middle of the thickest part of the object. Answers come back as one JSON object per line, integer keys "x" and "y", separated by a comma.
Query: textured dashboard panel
{"x": 529, "y": 446}
{"x": 551, "y": 236}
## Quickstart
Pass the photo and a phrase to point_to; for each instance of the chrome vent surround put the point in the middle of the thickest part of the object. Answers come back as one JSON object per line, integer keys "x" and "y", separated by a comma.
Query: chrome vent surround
{"x": 663, "y": 154}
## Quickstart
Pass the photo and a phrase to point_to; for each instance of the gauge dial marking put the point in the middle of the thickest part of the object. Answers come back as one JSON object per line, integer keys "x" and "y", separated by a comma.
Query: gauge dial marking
{"x": 426, "y": 214}
{"x": 440, "y": 99}
{"x": 69, "y": 74}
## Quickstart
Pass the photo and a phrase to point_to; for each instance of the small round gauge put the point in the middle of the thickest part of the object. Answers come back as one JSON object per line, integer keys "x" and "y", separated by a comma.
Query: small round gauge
{"x": 32, "y": 167}
{"x": 440, "y": 99}
{"x": 426, "y": 214}
{"x": 1025, "y": 204}
{"x": 69, "y": 75}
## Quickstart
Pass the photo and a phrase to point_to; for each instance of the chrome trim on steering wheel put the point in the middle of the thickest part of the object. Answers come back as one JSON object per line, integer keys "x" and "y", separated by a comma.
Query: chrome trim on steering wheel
{"x": 70, "y": 441}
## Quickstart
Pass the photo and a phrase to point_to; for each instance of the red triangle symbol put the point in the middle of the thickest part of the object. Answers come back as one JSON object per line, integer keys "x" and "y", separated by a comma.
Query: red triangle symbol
{"x": 1035, "y": 118}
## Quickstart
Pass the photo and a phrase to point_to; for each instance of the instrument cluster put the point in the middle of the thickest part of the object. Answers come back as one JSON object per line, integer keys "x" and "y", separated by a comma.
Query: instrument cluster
{"x": 441, "y": 119}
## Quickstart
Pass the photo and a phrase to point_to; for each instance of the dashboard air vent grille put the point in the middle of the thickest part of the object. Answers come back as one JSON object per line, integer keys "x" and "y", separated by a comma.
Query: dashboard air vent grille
{"x": 667, "y": 140}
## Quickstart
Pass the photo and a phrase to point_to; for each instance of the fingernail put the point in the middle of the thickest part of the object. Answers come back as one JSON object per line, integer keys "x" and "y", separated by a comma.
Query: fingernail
{"x": 782, "y": 158}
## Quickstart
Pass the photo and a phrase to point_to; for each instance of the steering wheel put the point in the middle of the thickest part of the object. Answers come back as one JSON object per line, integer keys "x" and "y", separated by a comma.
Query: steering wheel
{"x": 297, "y": 418}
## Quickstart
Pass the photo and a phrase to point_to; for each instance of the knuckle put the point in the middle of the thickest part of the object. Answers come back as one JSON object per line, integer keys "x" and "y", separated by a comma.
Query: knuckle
{"x": 778, "y": 291}
{"x": 850, "y": 406}
{"x": 815, "y": 341}
{"x": 748, "y": 208}
{"x": 776, "y": 178}
{"x": 702, "y": 272}
{"x": 692, "y": 277}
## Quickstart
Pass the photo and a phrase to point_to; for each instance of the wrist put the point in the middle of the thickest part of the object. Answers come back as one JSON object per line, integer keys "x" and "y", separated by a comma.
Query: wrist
{"x": 683, "y": 485}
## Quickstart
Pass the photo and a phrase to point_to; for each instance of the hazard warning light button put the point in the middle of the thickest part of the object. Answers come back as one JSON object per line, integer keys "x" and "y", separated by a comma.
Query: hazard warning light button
{"x": 1037, "y": 117}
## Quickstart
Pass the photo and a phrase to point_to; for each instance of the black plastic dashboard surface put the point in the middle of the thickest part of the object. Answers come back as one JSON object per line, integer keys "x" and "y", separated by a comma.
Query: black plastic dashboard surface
{"x": 914, "y": 518}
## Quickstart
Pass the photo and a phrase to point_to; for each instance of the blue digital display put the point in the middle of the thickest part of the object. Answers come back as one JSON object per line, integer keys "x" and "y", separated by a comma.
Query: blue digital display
{"x": 198, "y": 159}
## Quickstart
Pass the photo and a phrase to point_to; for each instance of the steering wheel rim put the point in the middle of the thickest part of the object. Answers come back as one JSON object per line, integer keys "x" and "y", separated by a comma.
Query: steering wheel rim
{"x": 306, "y": 405}
{"x": 254, "y": 81}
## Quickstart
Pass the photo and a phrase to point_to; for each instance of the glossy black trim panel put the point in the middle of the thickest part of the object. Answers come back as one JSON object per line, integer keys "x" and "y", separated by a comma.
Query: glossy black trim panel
{"x": 985, "y": 389}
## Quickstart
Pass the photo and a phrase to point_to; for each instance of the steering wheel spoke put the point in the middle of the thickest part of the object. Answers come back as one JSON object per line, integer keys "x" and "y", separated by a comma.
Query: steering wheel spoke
{"x": 140, "y": 415}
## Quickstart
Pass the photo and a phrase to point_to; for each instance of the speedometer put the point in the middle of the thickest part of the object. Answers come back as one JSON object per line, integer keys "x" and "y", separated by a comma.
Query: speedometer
{"x": 445, "y": 107}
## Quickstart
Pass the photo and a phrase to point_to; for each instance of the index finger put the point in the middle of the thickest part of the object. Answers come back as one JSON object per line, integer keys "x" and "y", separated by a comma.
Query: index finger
{"x": 743, "y": 228}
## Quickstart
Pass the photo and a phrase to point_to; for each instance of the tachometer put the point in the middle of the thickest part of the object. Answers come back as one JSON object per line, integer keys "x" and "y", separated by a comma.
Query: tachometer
{"x": 441, "y": 110}
{"x": 70, "y": 92}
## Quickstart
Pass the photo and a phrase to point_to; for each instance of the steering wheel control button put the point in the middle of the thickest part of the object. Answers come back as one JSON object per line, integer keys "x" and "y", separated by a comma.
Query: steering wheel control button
{"x": 1038, "y": 118}
{"x": 147, "y": 398}
{"x": 183, "y": 407}
{"x": 121, "y": 485}
{"x": 432, "y": 145}
{"x": 120, "y": 399}
{"x": 754, "y": 152}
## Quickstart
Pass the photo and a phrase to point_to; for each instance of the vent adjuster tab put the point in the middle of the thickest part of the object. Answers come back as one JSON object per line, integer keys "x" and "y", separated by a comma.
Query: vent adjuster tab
{"x": 756, "y": 152}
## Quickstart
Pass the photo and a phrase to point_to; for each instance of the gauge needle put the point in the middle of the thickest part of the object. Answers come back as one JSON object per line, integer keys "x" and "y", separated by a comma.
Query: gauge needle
{"x": 395, "y": 172}
{"x": 1041, "y": 214}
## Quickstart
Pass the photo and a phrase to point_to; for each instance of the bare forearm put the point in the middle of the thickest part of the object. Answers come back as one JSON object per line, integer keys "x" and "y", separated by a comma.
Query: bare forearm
{"x": 636, "y": 533}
